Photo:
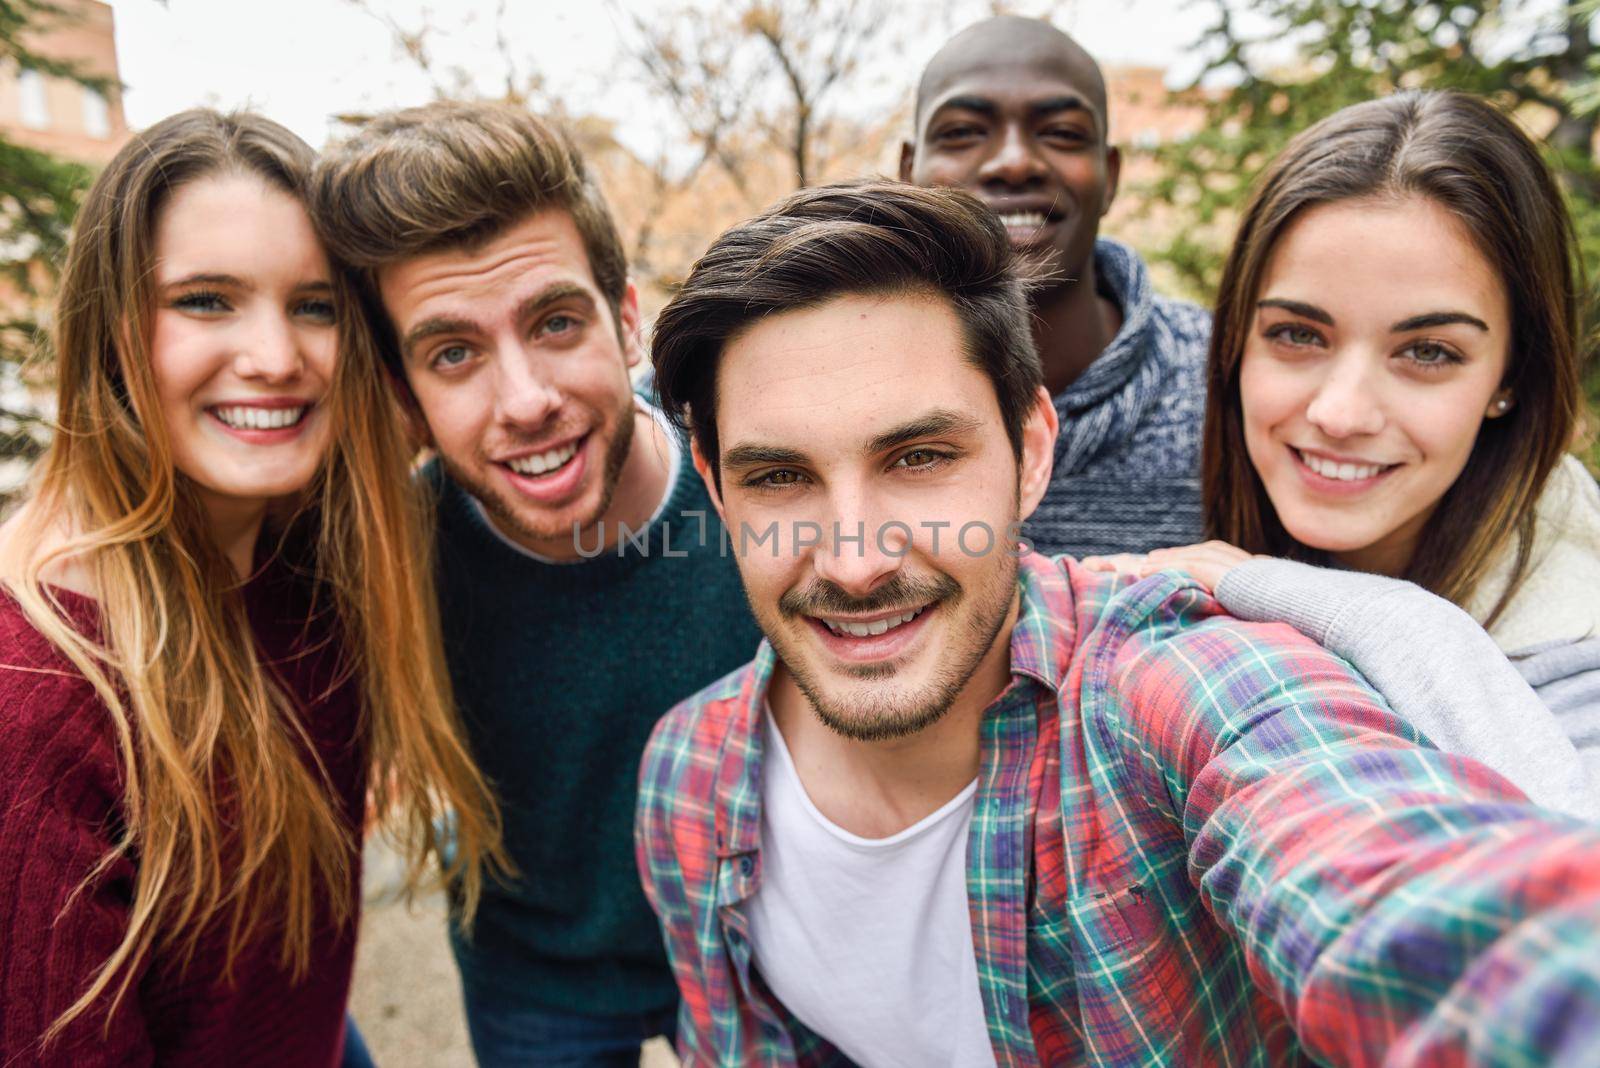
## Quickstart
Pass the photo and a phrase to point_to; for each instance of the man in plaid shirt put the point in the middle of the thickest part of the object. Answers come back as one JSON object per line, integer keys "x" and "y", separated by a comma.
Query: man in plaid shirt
{"x": 970, "y": 805}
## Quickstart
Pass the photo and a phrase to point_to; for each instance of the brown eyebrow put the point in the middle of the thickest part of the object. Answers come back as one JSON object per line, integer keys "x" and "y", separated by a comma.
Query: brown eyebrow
{"x": 208, "y": 278}
{"x": 433, "y": 327}
{"x": 750, "y": 454}
{"x": 555, "y": 293}
{"x": 1415, "y": 322}
{"x": 936, "y": 422}
{"x": 1300, "y": 308}
{"x": 929, "y": 424}
{"x": 533, "y": 305}
{"x": 1440, "y": 318}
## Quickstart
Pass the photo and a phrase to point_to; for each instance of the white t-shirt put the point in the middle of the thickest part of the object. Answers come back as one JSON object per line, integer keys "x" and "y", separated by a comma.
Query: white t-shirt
{"x": 868, "y": 941}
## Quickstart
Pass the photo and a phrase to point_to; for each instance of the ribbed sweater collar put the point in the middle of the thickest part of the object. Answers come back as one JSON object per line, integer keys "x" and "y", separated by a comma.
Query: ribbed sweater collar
{"x": 1102, "y": 408}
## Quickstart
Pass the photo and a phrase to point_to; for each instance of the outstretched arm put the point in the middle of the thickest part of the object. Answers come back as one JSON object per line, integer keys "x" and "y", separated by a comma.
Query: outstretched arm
{"x": 1398, "y": 902}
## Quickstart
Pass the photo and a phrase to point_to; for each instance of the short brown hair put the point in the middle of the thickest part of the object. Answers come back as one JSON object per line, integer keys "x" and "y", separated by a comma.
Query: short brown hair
{"x": 852, "y": 238}
{"x": 1468, "y": 157}
{"x": 454, "y": 175}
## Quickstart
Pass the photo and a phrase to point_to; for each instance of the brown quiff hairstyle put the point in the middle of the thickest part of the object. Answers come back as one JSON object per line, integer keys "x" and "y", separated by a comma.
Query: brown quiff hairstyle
{"x": 869, "y": 237}
{"x": 187, "y": 698}
{"x": 454, "y": 175}
{"x": 1468, "y": 157}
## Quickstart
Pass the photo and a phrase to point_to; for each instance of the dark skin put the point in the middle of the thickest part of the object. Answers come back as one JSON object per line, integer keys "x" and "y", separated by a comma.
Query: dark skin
{"x": 1014, "y": 112}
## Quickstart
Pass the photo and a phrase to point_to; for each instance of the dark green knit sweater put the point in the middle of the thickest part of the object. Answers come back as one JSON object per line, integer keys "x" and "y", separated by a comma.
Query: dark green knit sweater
{"x": 561, "y": 671}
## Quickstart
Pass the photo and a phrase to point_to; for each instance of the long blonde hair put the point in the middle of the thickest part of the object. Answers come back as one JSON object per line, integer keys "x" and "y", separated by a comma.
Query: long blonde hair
{"x": 191, "y": 704}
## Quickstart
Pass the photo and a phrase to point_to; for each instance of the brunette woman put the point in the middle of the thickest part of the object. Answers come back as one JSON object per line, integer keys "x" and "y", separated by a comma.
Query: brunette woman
{"x": 216, "y": 634}
{"x": 1394, "y": 386}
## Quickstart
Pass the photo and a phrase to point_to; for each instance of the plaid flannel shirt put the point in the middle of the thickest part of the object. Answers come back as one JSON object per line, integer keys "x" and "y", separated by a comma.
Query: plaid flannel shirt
{"x": 1196, "y": 841}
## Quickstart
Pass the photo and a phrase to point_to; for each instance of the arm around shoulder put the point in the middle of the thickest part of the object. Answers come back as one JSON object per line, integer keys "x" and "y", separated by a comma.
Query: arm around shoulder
{"x": 1432, "y": 663}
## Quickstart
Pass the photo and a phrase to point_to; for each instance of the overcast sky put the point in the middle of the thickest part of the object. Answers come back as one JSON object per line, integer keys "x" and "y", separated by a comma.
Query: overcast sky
{"x": 302, "y": 61}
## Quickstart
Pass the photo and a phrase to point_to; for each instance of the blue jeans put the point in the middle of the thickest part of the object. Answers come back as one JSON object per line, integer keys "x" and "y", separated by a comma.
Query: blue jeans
{"x": 355, "y": 1050}
{"x": 504, "y": 1036}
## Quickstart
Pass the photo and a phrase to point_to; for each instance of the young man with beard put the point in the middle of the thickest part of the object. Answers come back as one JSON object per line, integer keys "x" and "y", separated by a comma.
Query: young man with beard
{"x": 1013, "y": 111}
{"x": 583, "y": 584}
{"x": 968, "y": 808}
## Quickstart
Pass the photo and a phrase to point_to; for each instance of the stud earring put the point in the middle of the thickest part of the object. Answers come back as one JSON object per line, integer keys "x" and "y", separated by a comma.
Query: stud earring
{"x": 1502, "y": 406}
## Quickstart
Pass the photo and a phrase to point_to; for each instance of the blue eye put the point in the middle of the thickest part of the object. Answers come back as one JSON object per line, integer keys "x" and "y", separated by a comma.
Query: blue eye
{"x": 561, "y": 327}
{"x": 316, "y": 309}
{"x": 204, "y": 301}
{"x": 452, "y": 356}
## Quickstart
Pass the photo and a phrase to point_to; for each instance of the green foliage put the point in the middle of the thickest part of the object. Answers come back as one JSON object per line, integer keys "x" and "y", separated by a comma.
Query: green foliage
{"x": 1586, "y": 217}
{"x": 1329, "y": 54}
{"x": 1308, "y": 58}
{"x": 19, "y": 16}
{"x": 39, "y": 195}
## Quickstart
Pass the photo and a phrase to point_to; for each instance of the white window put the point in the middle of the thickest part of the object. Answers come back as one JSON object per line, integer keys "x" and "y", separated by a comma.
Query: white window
{"x": 31, "y": 94}
{"x": 96, "y": 115}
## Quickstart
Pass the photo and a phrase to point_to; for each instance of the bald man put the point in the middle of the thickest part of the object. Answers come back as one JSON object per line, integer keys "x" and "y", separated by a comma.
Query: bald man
{"x": 1014, "y": 111}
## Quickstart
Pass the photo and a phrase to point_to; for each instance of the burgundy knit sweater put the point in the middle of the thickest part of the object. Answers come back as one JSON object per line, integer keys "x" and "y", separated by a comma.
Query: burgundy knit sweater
{"x": 60, "y": 806}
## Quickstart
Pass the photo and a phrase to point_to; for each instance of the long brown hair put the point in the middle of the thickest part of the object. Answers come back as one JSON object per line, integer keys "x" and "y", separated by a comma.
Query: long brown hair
{"x": 185, "y": 691}
{"x": 1463, "y": 154}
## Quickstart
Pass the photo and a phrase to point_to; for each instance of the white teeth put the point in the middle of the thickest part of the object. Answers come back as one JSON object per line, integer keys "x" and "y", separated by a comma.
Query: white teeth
{"x": 877, "y": 626}
{"x": 540, "y": 463}
{"x": 1021, "y": 220}
{"x": 241, "y": 417}
{"x": 1340, "y": 472}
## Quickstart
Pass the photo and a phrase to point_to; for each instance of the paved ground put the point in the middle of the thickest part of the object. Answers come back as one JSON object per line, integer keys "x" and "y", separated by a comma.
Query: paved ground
{"x": 406, "y": 997}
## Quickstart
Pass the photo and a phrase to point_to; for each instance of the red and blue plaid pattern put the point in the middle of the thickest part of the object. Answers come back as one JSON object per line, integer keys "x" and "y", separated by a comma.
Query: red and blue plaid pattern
{"x": 1196, "y": 841}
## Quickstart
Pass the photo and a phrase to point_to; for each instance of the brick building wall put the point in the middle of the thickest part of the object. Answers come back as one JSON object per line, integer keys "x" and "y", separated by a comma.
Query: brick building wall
{"x": 59, "y": 116}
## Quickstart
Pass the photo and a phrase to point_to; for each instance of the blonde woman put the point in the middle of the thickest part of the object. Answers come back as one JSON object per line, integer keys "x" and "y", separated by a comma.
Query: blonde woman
{"x": 216, "y": 634}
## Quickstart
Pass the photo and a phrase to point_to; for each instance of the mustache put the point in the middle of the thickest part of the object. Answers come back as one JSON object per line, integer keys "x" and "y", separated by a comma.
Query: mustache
{"x": 824, "y": 598}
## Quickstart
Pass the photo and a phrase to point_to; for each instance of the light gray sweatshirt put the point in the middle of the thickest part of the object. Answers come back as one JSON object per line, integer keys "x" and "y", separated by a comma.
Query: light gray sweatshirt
{"x": 1439, "y": 669}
